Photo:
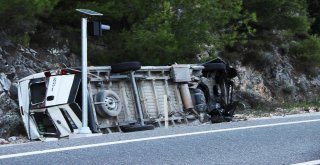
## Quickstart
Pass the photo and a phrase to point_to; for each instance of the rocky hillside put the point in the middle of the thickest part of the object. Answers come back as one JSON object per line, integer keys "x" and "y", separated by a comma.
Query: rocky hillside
{"x": 276, "y": 86}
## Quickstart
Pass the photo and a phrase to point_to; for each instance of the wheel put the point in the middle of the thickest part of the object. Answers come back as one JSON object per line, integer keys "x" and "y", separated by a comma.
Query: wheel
{"x": 232, "y": 73}
{"x": 216, "y": 118}
{"x": 227, "y": 118}
{"x": 229, "y": 110}
{"x": 133, "y": 128}
{"x": 214, "y": 66}
{"x": 108, "y": 103}
{"x": 125, "y": 66}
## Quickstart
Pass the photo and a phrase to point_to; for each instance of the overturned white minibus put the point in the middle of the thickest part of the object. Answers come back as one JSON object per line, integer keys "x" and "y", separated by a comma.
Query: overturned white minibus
{"x": 126, "y": 97}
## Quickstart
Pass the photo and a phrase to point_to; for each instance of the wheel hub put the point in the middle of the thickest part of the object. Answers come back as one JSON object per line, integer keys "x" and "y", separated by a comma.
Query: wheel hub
{"x": 111, "y": 103}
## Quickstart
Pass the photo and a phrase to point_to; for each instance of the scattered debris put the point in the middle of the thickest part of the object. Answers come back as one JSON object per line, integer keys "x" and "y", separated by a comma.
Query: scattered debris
{"x": 14, "y": 140}
{"x": 3, "y": 141}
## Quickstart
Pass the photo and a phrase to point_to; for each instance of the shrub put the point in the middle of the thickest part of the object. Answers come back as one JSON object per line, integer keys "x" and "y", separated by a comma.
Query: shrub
{"x": 306, "y": 53}
{"x": 22, "y": 10}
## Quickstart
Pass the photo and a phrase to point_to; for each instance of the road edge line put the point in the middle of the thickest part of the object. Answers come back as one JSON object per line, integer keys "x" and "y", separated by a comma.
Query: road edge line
{"x": 313, "y": 162}
{"x": 148, "y": 139}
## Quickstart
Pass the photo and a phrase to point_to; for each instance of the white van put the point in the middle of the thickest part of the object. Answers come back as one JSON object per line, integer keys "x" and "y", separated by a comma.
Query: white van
{"x": 126, "y": 97}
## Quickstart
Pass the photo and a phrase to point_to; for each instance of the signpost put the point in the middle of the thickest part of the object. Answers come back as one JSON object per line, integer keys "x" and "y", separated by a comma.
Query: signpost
{"x": 95, "y": 30}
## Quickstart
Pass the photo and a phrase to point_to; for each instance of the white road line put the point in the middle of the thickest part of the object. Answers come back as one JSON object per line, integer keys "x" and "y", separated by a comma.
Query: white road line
{"x": 148, "y": 139}
{"x": 314, "y": 162}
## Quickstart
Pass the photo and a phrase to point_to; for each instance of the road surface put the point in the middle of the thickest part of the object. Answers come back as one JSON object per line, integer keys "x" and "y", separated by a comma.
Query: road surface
{"x": 286, "y": 140}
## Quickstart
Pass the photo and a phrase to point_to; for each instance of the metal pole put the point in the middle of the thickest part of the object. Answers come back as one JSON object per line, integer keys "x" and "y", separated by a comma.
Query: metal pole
{"x": 166, "y": 113}
{"x": 136, "y": 97}
{"x": 85, "y": 129}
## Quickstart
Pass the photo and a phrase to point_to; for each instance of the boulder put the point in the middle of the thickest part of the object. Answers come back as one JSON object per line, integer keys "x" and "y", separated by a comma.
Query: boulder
{"x": 3, "y": 141}
{"x": 5, "y": 83}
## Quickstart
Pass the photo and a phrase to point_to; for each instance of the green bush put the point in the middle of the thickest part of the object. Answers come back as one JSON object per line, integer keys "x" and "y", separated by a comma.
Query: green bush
{"x": 280, "y": 14}
{"x": 302, "y": 104}
{"x": 164, "y": 31}
{"x": 23, "y": 39}
{"x": 23, "y": 10}
{"x": 306, "y": 53}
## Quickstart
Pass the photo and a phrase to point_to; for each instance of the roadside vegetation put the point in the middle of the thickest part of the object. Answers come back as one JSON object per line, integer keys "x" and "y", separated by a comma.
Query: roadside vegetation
{"x": 168, "y": 31}
{"x": 160, "y": 32}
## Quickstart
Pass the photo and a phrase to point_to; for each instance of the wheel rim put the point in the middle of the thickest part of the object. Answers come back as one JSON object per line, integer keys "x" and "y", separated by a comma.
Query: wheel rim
{"x": 111, "y": 103}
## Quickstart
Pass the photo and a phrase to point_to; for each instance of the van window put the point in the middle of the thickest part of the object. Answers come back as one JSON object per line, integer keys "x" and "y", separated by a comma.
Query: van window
{"x": 38, "y": 92}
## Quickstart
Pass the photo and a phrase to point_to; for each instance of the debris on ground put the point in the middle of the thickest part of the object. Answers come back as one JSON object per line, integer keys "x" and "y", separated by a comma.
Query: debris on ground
{"x": 14, "y": 140}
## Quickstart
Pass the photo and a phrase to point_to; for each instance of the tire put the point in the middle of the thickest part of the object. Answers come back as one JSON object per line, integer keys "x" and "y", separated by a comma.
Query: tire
{"x": 214, "y": 67}
{"x": 108, "y": 103}
{"x": 125, "y": 67}
{"x": 228, "y": 118}
{"x": 230, "y": 109}
{"x": 232, "y": 73}
{"x": 133, "y": 128}
{"x": 216, "y": 119}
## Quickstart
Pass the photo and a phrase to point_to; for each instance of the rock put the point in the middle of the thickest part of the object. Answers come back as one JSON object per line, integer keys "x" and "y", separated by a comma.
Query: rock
{"x": 303, "y": 83}
{"x": 12, "y": 138}
{"x": 10, "y": 119}
{"x": 19, "y": 139}
{"x": 275, "y": 84}
{"x": 54, "y": 51}
{"x": 6, "y": 103}
{"x": 23, "y": 71}
{"x": 315, "y": 81}
{"x": 4, "y": 40}
{"x": 313, "y": 109}
{"x": 14, "y": 91}
{"x": 3, "y": 65}
{"x": 6, "y": 43}
{"x": 3, "y": 141}
{"x": 10, "y": 124}
{"x": 32, "y": 52}
{"x": 251, "y": 86}
{"x": 4, "y": 83}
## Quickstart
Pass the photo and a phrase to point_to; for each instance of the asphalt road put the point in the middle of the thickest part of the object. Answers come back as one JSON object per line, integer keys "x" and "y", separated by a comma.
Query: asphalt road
{"x": 286, "y": 140}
